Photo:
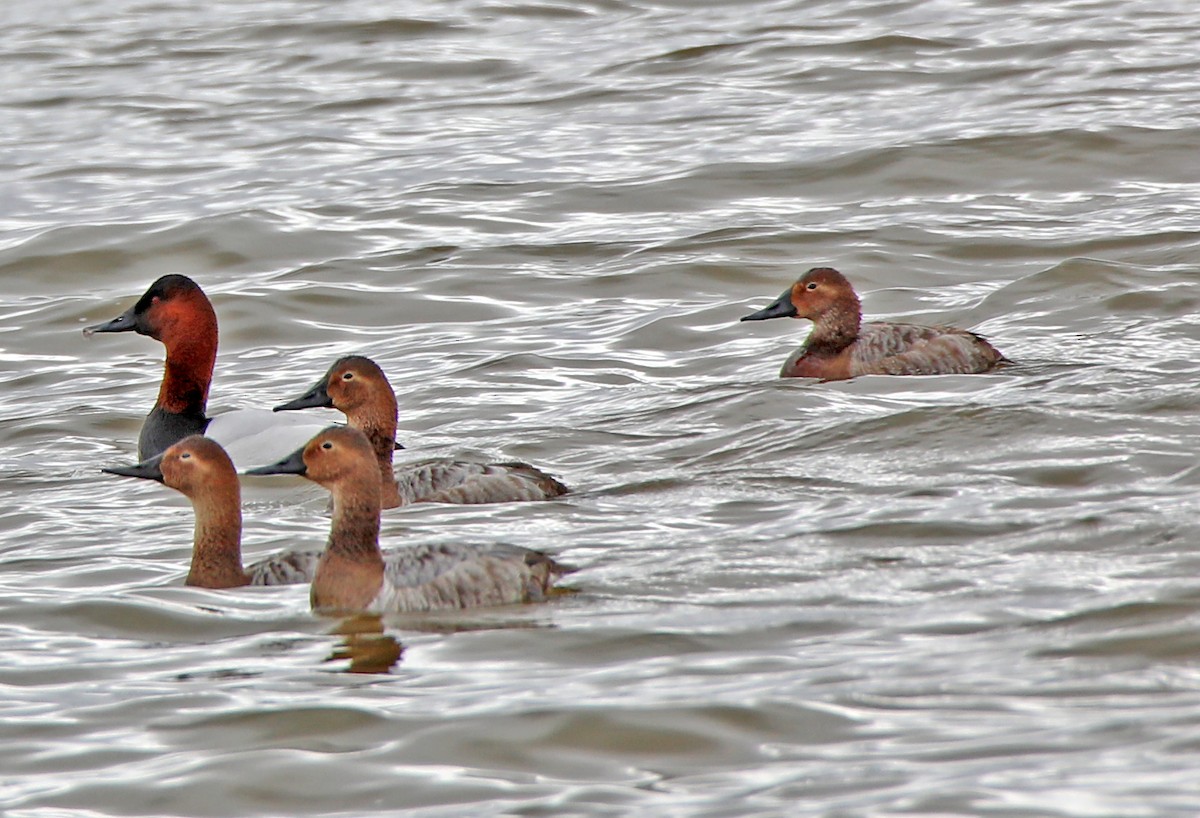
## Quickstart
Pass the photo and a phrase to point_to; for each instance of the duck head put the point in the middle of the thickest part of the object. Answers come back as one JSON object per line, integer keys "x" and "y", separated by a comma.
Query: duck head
{"x": 173, "y": 307}
{"x": 335, "y": 455}
{"x": 194, "y": 466}
{"x": 819, "y": 292}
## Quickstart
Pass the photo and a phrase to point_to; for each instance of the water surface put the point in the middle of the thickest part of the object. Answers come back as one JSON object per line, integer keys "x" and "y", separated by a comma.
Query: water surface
{"x": 967, "y": 595}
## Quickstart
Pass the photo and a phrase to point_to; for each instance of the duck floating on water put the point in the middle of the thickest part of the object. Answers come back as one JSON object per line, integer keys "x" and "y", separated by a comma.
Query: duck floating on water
{"x": 358, "y": 387}
{"x": 354, "y": 575}
{"x": 840, "y": 346}
{"x": 176, "y": 312}
{"x": 199, "y": 468}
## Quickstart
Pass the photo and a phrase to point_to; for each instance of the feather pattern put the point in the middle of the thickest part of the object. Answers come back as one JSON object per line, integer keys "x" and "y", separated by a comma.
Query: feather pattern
{"x": 883, "y": 348}
{"x": 288, "y": 568}
{"x": 840, "y": 346}
{"x": 442, "y": 576}
{"x": 458, "y": 481}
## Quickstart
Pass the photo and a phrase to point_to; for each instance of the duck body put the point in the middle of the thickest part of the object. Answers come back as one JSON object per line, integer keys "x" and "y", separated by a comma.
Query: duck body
{"x": 467, "y": 483}
{"x": 841, "y": 346}
{"x": 446, "y": 576}
{"x": 884, "y": 348}
{"x": 357, "y": 386}
{"x": 354, "y": 575}
{"x": 288, "y": 568}
{"x": 200, "y": 469}
{"x": 177, "y": 313}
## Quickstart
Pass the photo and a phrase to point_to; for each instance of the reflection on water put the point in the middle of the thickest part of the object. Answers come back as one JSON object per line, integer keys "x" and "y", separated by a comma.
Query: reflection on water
{"x": 963, "y": 595}
{"x": 365, "y": 644}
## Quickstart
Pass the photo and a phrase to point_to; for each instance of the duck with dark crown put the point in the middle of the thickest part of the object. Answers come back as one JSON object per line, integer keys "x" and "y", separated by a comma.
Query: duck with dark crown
{"x": 177, "y": 313}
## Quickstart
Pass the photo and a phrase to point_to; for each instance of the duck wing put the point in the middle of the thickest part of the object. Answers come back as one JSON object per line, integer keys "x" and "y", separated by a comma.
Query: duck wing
{"x": 457, "y": 481}
{"x": 442, "y": 576}
{"x": 885, "y": 348}
{"x": 288, "y": 568}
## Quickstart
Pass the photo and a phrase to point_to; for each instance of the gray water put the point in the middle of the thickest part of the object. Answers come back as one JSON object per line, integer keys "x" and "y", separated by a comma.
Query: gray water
{"x": 933, "y": 596}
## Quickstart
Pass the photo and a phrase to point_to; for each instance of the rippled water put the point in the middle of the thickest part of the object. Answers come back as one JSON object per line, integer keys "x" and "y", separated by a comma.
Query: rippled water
{"x": 968, "y": 595}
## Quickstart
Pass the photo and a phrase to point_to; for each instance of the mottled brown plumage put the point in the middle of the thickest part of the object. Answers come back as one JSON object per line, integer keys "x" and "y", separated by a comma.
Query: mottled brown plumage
{"x": 357, "y": 386}
{"x": 840, "y": 346}
{"x": 353, "y": 575}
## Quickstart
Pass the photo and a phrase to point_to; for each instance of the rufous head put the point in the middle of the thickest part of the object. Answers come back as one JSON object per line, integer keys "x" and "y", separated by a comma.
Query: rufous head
{"x": 336, "y": 454}
{"x": 818, "y": 292}
{"x": 194, "y": 466}
{"x": 354, "y": 384}
{"x": 173, "y": 307}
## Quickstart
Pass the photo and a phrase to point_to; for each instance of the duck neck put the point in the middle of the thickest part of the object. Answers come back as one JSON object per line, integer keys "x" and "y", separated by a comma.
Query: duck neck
{"x": 216, "y": 547}
{"x": 836, "y": 328}
{"x": 354, "y": 534}
{"x": 379, "y": 426}
{"x": 188, "y": 370}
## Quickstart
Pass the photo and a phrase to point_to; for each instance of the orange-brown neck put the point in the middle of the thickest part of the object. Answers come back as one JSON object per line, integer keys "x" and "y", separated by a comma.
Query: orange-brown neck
{"x": 216, "y": 547}
{"x": 355, "y": 529}
{"x": 350, "y": 572}
{"x": 837, "y": 325}
{"x": 378, "y": 422}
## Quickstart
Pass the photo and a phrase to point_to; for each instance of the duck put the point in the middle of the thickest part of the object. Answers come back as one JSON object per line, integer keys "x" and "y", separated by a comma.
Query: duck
{"x": 840, "y": 346}
{"x": 354, "y": 576}
{"x": 358, "y": 387}
{"x": 177, "y": 313}
{"x": 199, "y": 468}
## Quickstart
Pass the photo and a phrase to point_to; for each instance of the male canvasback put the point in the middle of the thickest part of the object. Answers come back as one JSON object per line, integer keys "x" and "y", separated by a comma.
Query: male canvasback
{"x": 176, "y": 312}
{"x": 840, "y": 346}
{"x": 199, "y": 468}
{"x": 353, "y": 575}
{"x": 357, "y": 386}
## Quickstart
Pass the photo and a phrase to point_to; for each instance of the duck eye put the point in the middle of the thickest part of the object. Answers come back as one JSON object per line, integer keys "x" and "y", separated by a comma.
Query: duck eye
{"x": 349, "y": 376}
{"x": 812, "y": 285}
{"x": 326, "y": 445}
{"x": 185, "y": 455}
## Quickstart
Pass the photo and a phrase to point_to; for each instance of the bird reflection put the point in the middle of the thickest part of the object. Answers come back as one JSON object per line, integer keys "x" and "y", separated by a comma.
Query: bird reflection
{"x": 365, "y": 644}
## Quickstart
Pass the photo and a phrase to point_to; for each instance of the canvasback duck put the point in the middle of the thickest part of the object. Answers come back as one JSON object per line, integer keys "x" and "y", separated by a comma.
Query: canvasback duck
{"x": 176, "y": 312}
{"x": 354, "y": 575}
{"x": 356, "y": 386}
{"x": 199, "y": 468}
{"x": 840, "y": 346}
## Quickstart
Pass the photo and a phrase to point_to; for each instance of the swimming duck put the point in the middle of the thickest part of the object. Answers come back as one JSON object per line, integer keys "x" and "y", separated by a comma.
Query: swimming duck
{"x": 199, "y": 468}
{"x": 176, "y": 312}
{"x": 840, "y": 346}
{"x": 354, "y": 575}
{"x": 357, "y": 386}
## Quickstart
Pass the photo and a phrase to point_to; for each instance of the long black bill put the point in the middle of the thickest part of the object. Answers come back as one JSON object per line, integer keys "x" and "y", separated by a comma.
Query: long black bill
{"x": 781, "y": 307}
{"x": 292, "y": 464}
{"x": 147, "y": 470}
{"x": 125, "y": 322}
{"x": 315, "y": 398}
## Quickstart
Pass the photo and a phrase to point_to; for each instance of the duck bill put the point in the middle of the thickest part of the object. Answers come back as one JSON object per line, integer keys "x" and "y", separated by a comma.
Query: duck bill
{"x": 315, "y": 398}
{"x": 292, "y": 464}
{"x": 125, "y": 322}
{"x": 781, "y": 307}
{"x": 147, "y": 470}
